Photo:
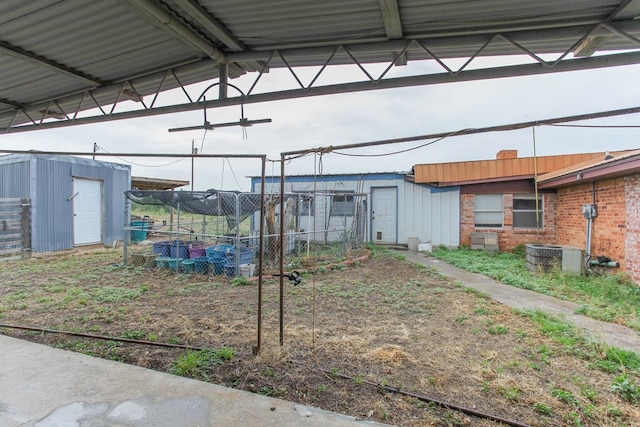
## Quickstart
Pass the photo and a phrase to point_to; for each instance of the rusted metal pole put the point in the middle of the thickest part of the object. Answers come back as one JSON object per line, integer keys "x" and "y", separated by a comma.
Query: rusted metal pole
{"x": 101, "y": 337}
{"x": 261, "y": 253}
{"x": 282, "y": 251}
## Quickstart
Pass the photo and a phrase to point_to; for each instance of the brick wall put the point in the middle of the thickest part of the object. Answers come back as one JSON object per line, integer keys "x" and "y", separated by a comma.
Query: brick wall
{"x": 632, "y": 240}
{"x": 508, "y": 236}
{"x": 609, "y": 226}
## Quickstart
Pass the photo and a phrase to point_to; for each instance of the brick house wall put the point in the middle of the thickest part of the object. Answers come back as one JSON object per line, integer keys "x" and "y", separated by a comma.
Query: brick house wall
{"x": 609, "y": 228}
{"x": 632, "y": 240}
{"x": 508, "y": 236}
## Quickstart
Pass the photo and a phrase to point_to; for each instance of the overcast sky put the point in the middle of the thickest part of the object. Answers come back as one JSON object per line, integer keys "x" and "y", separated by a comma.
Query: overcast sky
{"x": 362, "y": 117}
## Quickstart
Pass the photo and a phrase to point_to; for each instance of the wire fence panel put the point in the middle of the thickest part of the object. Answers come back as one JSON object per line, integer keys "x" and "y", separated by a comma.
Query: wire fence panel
{"x": 319, "y": 227}
{"x": 194, "y": 231}
{"x": 180, "y": 226}
{"x": 15, "y": 228}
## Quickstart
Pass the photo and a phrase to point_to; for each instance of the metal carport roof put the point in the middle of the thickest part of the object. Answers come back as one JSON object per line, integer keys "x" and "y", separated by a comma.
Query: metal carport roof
{"x": 82, "y": 61}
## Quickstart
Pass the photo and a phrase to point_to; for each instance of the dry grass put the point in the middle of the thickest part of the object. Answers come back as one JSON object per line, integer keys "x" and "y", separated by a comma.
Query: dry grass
{"x": 383, "y": 321}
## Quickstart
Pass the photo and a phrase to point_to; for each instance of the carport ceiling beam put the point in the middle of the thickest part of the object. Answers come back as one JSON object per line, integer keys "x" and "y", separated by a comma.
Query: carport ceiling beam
{"x": 171, "y": 24}
{"x": 629, "y": 9}
{"x": 391, "y": 18}
{"x": 18, "y": 52}
{"x": 211, "y": 24}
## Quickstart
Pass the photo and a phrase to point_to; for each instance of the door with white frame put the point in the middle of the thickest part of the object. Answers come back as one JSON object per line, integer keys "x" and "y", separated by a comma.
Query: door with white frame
{"x": 87, "y": 211}
{"x": 384, "y": 215}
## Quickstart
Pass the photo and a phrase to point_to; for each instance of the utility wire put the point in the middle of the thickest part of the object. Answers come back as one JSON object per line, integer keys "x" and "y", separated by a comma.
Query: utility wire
{"x": 141, "y": 165}
{"x": 393, "y": 152}
{"x": 596, "y": 126}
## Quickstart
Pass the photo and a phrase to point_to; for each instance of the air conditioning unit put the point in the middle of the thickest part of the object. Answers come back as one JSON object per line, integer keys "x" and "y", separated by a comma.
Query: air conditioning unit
{"x": 546, "y": 257}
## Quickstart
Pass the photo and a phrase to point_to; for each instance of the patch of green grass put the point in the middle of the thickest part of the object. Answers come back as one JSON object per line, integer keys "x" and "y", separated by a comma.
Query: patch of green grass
{"x": 498, "y": 330}
{"x": 240, "y": 281}
{"x": 133, "y": 335}
{"x": 565, "y": 396}
{"x": 194, "y": 364}
{"x": 612, "y": 298}
{"x": 542, "y": 408}
{"x": 627, "y": 389}
{"x": 115, "y": 293}
{"x": 511, "y": 393}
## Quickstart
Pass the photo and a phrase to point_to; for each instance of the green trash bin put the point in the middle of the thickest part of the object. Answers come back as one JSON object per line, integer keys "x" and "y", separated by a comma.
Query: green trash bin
{"x": 140, "y": 232}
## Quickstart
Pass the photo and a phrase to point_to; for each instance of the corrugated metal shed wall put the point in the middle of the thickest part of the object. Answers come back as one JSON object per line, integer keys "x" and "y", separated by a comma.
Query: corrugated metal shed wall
{"x": 14, "y": 177}
{"x": 431, "y": 214}
{"x": 52, "y": 214}
{"x": 48, "y": 182}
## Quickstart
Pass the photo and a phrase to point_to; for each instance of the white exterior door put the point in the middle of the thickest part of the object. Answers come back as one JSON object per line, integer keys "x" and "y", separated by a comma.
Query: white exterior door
{"x": 384, "y": 215}
{"x": 87, "y": 211}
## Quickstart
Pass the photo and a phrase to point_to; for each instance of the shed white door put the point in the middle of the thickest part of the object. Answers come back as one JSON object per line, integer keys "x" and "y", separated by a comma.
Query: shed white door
{"x": 87, "y": 211}
{"x": 384, "y": 214}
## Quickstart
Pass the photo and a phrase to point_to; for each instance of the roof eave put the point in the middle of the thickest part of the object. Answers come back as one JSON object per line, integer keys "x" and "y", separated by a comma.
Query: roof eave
{"x": 614, "y": 169}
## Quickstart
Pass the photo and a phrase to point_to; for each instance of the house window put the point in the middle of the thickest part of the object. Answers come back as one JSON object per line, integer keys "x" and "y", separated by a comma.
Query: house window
{"x": 488, "y": 211}
{"x": 525, "y": 214}
{"x": 307, "y": 206}
{"x": 342, "y": 205}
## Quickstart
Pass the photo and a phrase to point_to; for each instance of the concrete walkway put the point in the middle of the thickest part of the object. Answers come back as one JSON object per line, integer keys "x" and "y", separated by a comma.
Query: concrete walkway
{"x": 42, "y": 386}
{"x": 610, "y": 333}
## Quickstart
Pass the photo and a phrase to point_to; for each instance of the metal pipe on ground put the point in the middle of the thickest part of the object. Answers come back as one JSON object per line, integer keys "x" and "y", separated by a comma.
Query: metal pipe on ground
{"x": 101, "y": 337}
{"x": 435, "y": 401}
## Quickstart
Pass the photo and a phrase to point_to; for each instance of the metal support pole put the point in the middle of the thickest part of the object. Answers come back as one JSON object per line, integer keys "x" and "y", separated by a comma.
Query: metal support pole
{"x": 282, "y": 250}
{"x": 238, "y": 251}
{"x": 125, "y": 237}
{"x": 261, "y": 253}
{"x": 224, "y": 77}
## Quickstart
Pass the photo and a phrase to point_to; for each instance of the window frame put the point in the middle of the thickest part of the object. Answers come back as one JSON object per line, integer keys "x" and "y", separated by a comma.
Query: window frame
{"x": 477, "y": 211}
{"x": 346, "y": 207}
{"x": 540, "y": 211}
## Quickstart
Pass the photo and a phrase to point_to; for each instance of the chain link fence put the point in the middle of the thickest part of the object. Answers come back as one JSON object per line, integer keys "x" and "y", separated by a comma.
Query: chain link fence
{"x": 183, "y": 230}
{"x": 319, "y": 227}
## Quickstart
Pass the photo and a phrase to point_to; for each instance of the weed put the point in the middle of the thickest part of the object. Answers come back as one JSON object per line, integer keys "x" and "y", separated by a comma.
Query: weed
{"x": 564, "y": 396}
{"x": 358, "y": 379}
{"x": 628, "y": 389}
{"x": 114, "y": 294}
{"x": 521, "y": 334}
{"x": 269, "y": 372}
{"x": 612, "y": 411}
{"x": 195, "y": 363}
{"x": 542, "y": 408}
{"x": 481, "y": 310}
{"x": 498, "y": 330}
{"x": 240, "y": 281}
{"x": 266, "y": 391}
{"x": 133, "y": 335}
{"x": 461, "y": 319}
{"x": 321, "y": 388}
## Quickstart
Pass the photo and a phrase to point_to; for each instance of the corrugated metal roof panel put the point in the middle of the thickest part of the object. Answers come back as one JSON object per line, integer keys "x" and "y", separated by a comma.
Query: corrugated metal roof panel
{"x": 114, "y": 41}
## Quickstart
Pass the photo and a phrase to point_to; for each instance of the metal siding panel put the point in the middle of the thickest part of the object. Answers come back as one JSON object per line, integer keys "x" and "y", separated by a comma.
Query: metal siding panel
{"x": 52, "y": 214}
{"x": 14, "y": 179}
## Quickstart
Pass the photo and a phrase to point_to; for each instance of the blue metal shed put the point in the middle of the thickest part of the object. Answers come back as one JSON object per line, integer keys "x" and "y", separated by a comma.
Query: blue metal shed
{"x": 74, "y": 201}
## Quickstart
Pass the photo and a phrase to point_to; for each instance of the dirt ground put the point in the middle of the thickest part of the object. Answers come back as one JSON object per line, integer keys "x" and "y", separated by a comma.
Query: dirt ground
{"x": 354, "y": 336}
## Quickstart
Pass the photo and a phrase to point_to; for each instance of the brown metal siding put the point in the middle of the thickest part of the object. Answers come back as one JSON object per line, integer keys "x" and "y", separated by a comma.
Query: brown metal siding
{"x": 487, "y": 169}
